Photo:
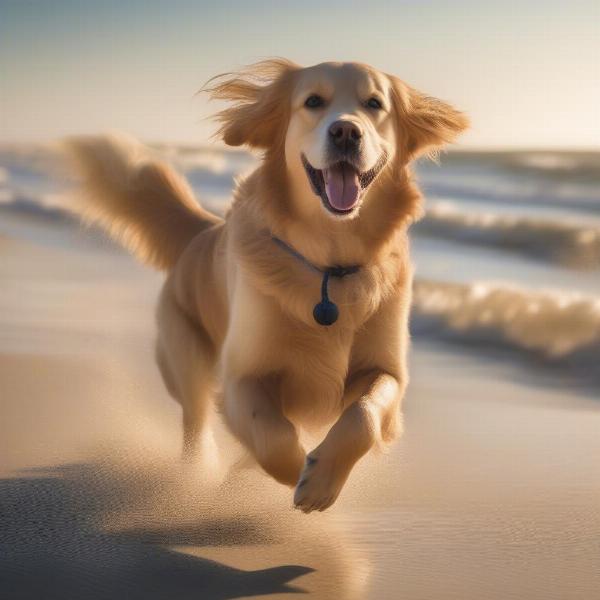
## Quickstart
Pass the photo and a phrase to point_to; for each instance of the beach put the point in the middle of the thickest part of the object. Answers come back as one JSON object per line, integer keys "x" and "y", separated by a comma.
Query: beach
{"x": 493, "y": 490}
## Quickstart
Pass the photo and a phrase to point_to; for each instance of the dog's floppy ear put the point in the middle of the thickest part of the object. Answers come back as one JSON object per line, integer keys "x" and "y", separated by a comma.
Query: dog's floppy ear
{"x": 260, "y": 97}
{"x": 426, "y": 123}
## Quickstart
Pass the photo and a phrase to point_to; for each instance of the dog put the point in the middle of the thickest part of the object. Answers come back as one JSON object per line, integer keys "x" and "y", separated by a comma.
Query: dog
{"x": 291, "y": 313}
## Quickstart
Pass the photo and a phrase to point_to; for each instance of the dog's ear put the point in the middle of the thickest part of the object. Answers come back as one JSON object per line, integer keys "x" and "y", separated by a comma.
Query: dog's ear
{"x": 426, "y": 124}
{"x": 260, "y": 103}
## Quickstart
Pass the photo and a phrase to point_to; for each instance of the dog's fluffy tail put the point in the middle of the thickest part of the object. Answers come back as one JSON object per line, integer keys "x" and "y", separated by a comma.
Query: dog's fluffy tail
{"x": 141, "y": 202}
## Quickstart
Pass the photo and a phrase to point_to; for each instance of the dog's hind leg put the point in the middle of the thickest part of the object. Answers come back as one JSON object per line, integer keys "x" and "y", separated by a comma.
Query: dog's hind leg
{"x": 186, "y": 359}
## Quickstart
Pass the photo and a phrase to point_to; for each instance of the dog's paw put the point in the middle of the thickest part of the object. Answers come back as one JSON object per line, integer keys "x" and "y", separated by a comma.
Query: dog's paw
{"x": 320, "y": 482}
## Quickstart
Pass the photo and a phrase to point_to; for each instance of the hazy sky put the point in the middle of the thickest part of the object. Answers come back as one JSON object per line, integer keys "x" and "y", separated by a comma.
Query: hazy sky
{"x": 528, "y": 72}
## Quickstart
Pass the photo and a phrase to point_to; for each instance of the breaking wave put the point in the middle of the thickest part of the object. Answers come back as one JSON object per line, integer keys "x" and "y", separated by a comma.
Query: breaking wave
{"x": 216, "y": 160}
{"x": 539, "y": 179}
{"x": 50, "y": 207}
{"x": 552, "y": 324}
{"x": 570, "y": 243}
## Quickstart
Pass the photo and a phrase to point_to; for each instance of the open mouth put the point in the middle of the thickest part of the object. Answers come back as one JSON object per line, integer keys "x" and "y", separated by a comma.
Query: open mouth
{"x": 341, "y": 186}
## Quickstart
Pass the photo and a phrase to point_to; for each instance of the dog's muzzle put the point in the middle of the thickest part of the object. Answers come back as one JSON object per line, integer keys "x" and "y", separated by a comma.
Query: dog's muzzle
{"x": 341, "y": 185}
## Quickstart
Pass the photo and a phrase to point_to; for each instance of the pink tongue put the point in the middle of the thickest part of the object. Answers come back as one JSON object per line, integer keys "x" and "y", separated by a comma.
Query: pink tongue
{"x": 342, "y": 186}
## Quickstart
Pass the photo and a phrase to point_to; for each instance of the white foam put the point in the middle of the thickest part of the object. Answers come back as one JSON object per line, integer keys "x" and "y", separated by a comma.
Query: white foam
{"x": 215, "y": 160}
{"x": 570, "y": 242}
{"x": 554, "y": 324}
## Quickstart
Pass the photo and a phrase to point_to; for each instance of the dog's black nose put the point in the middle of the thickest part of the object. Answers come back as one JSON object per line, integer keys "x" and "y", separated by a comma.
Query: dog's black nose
{"x": 345, "y": 134}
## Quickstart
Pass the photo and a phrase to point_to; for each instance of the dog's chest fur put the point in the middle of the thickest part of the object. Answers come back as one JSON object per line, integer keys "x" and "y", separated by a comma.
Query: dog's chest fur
{"x": 272, "y": 334}
{"x": 308, "y": 363}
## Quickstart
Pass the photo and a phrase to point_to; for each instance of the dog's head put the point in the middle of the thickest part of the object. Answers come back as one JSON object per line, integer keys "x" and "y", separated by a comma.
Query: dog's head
{"x": 337, "y": 126}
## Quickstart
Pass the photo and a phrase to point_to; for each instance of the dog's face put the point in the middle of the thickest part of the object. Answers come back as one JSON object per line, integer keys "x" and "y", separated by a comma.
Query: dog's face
{"x": 341, "y": 133}
{"x": 338, "y": 126}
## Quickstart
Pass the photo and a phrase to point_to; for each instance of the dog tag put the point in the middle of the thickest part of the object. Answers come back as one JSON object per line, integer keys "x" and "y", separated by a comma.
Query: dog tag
{"x": 326, "y": 312}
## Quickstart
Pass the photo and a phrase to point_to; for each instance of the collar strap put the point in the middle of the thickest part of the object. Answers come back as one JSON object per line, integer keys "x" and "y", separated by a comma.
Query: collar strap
{"x": 325, "y": 312}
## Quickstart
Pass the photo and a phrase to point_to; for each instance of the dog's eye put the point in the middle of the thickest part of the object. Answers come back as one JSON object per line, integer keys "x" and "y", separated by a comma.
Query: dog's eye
{"x": 314, "y": 101}
{"x": 374, "y": 103}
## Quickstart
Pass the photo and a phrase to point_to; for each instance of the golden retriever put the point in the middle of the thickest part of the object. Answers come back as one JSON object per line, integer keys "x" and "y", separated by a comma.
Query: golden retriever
{"x": 292, "y": 311}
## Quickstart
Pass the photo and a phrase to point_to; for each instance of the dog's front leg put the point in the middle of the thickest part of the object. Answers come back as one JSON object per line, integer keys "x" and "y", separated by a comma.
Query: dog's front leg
{"x": 372, "y": 403}
{"x": 253, "y": 412}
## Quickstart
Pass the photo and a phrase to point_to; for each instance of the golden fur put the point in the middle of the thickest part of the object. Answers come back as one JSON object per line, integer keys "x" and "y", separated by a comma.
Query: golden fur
{"x": 235, "y": 316}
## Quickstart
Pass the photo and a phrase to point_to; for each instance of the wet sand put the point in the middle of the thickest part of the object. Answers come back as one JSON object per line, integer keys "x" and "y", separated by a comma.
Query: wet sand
{"x": 493, "y": 491}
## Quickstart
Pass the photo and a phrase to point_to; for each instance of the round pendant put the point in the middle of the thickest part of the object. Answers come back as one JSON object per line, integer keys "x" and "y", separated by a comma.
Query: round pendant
{"x": 326, "y": 312}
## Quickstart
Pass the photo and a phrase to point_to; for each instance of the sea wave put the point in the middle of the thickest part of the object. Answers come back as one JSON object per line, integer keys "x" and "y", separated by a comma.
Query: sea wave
{"x": 50, "y": 207}
{"x": 539, "y": 178}
{"x": 570, "y": 243}
{"x": 582, "y": 165}
{"x": 212, "y": 159}
{"x": 555, "y": 325}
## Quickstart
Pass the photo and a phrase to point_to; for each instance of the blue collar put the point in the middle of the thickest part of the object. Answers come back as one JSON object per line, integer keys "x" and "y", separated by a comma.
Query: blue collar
{"x": 325, "y": 312}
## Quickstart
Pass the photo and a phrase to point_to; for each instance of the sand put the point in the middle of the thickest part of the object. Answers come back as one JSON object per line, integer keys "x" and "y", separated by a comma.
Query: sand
{"x": 493, "y": 491}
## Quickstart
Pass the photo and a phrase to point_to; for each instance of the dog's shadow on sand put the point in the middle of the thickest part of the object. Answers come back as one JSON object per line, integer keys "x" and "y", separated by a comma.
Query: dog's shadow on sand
{"x": 56, "y": 543}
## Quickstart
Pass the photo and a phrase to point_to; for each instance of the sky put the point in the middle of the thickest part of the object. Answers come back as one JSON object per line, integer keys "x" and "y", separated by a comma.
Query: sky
{"x": 527, "y": 72}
